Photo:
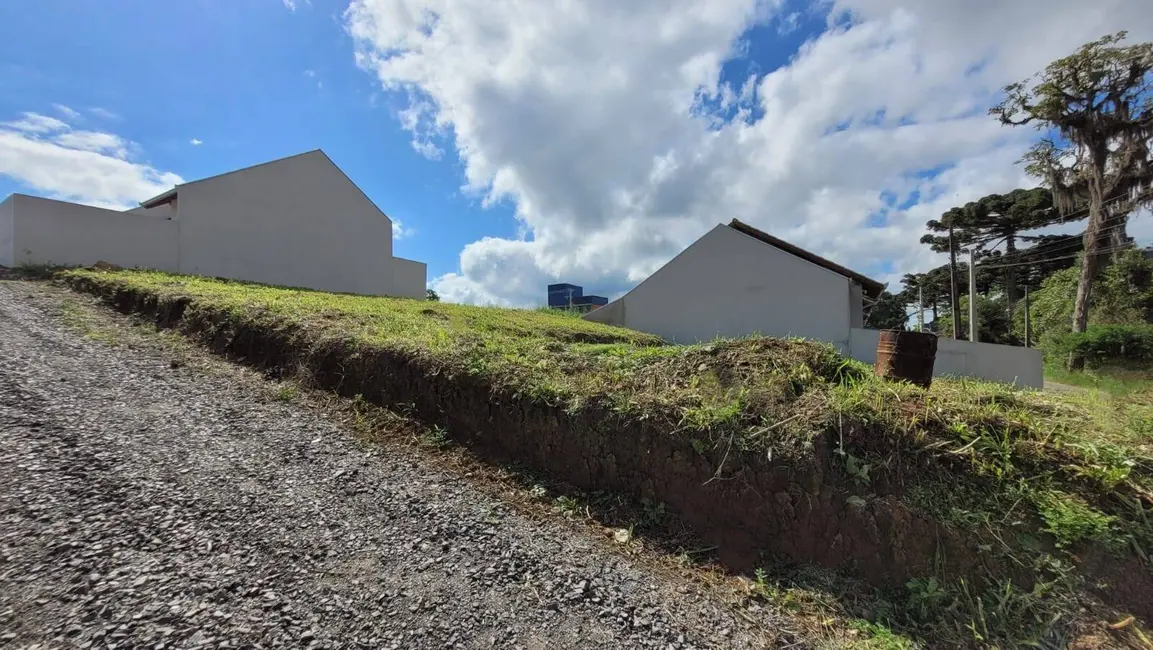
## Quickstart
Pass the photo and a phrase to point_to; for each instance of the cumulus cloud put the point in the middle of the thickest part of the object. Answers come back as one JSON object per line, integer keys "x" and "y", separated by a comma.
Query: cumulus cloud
{"x": 609, "y": 129}
{"x": 400, "y": 231}
{"x": 91, "y": 167}
{"x": 196, "y": 142}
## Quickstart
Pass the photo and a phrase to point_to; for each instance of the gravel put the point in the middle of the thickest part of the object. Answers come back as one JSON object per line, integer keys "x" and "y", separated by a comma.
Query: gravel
{"x": 150, "y": 503}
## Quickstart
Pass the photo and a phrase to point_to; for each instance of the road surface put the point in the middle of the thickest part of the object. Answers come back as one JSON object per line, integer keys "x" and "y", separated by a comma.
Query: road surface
{"x": 145, "y": 503}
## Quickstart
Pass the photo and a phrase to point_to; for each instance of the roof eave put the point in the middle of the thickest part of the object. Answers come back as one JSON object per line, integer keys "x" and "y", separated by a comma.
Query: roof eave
{"x": 159, "y": 199}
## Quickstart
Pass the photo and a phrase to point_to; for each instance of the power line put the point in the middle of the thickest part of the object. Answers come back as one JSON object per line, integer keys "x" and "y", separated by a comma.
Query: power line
{"x": 1054, "y": 259}
{"x": 1050, "y": 247}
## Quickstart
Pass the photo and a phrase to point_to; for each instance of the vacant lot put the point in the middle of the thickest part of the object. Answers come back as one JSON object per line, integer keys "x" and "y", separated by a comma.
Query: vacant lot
{"x": 988, "y": 513}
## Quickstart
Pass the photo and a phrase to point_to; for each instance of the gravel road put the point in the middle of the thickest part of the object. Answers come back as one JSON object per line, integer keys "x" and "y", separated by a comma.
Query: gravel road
{"x": 148, "y": 504}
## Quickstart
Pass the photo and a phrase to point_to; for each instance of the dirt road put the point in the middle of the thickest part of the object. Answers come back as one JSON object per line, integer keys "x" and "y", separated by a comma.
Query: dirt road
{"x": 144, "y": 503}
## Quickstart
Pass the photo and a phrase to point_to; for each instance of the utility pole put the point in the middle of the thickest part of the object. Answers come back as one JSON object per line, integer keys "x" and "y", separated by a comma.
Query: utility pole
{"x": 972, "y": 296}
{"x": 1026, "y": 315}
{"x": 954, "y": 299}
{"x": 920, "y": 310}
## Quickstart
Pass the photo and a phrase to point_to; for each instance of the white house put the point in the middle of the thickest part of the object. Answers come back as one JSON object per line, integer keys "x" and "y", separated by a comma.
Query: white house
{"x": 297, "y": 221}
{"x": 737, "y": 281}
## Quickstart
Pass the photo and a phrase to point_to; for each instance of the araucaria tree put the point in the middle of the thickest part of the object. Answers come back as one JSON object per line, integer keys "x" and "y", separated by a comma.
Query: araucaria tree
{"x": 1096, "y": 107}
{"x": 991, "y": 221}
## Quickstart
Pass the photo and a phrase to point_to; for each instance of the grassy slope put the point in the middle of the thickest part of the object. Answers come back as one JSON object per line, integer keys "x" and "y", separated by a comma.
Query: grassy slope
{"x": 988, "y": 457}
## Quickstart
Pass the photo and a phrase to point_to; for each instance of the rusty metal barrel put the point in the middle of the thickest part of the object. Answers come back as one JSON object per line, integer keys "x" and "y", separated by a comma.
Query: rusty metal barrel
{"x": 906, "y": 355}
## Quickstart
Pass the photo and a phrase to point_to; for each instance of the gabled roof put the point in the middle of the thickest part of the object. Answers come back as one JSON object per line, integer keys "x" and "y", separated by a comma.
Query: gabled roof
{"x": 871, "y": 287}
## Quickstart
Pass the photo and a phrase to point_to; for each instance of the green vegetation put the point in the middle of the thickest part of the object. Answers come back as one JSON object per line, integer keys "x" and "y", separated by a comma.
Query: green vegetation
{"x": 1038, "y": 474}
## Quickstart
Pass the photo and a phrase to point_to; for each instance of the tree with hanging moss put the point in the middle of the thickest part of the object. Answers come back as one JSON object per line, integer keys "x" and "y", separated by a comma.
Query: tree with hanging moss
{"x": 1096, "y": 108}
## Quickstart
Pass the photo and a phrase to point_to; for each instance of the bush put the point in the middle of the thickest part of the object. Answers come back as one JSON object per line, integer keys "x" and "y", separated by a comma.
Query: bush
{"x": 1110, "y": 345}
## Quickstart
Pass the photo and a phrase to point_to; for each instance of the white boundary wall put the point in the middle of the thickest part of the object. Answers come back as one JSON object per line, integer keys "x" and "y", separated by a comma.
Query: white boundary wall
{"x": 1005, "y": 363}
{"x": 409, "y": 278}
{"x": 45, "y": 231}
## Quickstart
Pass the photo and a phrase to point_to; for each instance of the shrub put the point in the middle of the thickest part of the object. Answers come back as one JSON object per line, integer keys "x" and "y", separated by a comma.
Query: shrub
{"x": 1110, "y": 345}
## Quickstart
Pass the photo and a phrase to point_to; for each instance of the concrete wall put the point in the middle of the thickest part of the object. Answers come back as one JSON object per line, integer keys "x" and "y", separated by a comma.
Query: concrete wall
{"x": 57, "y": 232}
{"x": 7, "y": 209}
{"x": 856, "y": 305}
{"x": 729, "y": 284}
{"x": 297, "y": 222}
{"x": 409, "y": 278}
{"x": 1003, "y": 363}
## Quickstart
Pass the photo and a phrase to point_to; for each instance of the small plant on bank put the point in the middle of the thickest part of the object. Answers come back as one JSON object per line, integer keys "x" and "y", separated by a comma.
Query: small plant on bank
{"x": 568, "y": 506}
{"x": 434, "y": 438}
{"x": 1071, "y": 521}
{"x": 284, "y": 393}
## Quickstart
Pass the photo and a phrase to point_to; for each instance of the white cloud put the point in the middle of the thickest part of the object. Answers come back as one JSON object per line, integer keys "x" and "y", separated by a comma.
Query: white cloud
{"x": 310, "y": 73}
{"x": 196, "y": 142}
{"x": 103, "y": 113}
{"x": 67, "y": 112}
{"x": 104, "y": 143}
{"x": 91, "y": 167}
{"x": 35, "y": 123}
{"x": 592, "y": 119}
{"x": 399, "y": 231}
{"x": 291, "y": 4}
{"x": 789, "y": 23}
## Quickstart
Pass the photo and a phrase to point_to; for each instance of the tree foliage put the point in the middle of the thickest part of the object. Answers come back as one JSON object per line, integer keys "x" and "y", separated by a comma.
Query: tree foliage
{"x": 1124, "y": 296}
{"x": 888, "y": 312}
{"x": 993, "y": 324}
{"x": 432, "y": 295}
{"x": 1097, "y": 105}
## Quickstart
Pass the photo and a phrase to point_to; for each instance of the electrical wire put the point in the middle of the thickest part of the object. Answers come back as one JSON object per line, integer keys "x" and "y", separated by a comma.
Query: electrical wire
{"x": 1051, "y": 247}
{"x": 1102, "y": 251}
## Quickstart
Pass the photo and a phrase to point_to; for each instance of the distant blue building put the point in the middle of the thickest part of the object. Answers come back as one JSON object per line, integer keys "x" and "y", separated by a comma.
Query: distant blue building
{"x": 564, "y": 296}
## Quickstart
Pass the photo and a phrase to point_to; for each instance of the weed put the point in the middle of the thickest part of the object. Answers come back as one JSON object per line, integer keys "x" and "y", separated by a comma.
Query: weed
{"x": 1005, "y": 612}
{"x": 761, "y": 587}
{"x": 1070, "y": 520}
{"x": 927, "y": 597}
{"x": 567, "y": 506}
{"x": 653, "y": 514}
{"x": 879, "y": 637}
{"x": 284, "y": 393}
{"x": 434, "y": 438}
{"x": 538, "y": 491}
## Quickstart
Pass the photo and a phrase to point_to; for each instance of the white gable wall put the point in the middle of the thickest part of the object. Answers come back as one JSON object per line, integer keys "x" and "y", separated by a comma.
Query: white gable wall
{"x": 298, "y": 222}
{"x": 729, "y": 284}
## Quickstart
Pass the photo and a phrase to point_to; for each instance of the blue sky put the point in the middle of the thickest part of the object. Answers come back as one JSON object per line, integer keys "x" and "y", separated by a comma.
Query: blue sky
{"x": 525, "y": 142}
{"x": 252, "y": 81}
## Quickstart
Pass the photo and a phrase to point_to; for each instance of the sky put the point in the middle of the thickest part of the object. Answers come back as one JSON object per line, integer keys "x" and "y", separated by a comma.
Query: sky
{"x": 517, "y": 143}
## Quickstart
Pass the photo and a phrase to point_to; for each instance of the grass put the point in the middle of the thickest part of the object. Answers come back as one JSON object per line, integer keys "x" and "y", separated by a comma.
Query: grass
{"x": 1014, "y": 466}
{"x": 1115, "y": 381}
